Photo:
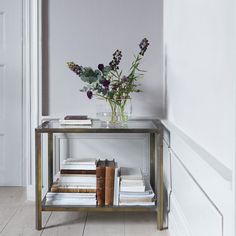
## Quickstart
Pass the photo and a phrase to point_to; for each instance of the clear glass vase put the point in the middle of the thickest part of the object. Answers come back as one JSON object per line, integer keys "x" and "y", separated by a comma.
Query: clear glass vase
{"x": 116, "y": 112}
{"x": 124, "y": 110}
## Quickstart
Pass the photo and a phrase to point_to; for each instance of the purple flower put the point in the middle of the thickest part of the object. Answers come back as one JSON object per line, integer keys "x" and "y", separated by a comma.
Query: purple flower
{"x": 105, "y": 83}
{"x": 143, "y": 46}
{"x": 117, "y": 55}
{"x": 89, "y": 94}
{"x": 124, "y": 78}
{"x": 101, "y": 67}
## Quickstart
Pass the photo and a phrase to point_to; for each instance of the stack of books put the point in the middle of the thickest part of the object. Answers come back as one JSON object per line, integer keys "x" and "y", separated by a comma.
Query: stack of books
{"x": 101, "y": 183}
{"x": 135, "y": 189}
{"x": 88, "y": 199}
{"x": 75, "y": 184}
{"x": 76, "y": 120}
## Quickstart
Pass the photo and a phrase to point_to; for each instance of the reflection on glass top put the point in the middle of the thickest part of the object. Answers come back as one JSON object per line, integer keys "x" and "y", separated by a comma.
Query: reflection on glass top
{"x": 97, "y": 124}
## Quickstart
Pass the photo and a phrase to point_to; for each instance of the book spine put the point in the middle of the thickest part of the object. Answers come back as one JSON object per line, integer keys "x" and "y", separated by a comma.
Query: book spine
{"x": 72, "y": 190}
{"x": 76, "y": 117}
{"x": 64, "y": 171}
{"x": 109, "y": 185}
{"x": 100, "y": 185}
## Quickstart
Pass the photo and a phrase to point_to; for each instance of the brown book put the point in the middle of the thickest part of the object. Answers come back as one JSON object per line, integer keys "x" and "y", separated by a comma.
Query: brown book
{"x": 100, "y": 182}
{"x": 72, "y": 171}
{"x": 109, "y": 182}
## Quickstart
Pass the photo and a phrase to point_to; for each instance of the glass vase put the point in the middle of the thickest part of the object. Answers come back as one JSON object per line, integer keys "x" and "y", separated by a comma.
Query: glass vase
{"x": 124, "y": 110}
{"x": 115, "y": 112}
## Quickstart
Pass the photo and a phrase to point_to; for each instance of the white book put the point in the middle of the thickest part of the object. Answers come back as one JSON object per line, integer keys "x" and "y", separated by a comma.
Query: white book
{"x": 131, "y": 173}
{"x": 77, "y": 167}
{"x": 76, "y": 122}
{"x": 80, "y": 161}
{"x": 132, "y": 184}
{"x": 82, "y": 176}
{"x": 137, "y": 204}
{"x": 88, "y": 202}
{"x": 79, "y": 180}
{"x": 132, "y": 188}
{"x": 136, "y": 195}
{"x": 148, "y": 191}
{"x": 116, "y": 187}
{"x": 133, "y": 181}
{"x": 133, "y": 200}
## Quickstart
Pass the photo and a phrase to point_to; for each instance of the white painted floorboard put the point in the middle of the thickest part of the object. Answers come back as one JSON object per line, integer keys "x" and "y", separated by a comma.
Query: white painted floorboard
{"x": 17, "y": 218}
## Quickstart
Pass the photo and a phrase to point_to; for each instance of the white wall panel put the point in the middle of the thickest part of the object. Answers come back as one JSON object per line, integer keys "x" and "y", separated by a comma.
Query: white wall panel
{"x": 201, "y": 215}
{"x": 200, "y": 79}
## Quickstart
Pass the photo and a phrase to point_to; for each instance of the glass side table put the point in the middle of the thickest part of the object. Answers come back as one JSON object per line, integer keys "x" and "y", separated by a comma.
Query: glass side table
{"x": 51, "y": 127}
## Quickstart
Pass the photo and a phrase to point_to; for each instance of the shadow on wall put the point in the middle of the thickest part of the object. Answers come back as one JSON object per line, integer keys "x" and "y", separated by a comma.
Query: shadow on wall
{"x": 45, "y": 58}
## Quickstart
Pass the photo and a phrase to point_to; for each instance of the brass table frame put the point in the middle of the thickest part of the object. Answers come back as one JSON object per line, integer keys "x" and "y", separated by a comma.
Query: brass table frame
{"x": 156, "y": 169}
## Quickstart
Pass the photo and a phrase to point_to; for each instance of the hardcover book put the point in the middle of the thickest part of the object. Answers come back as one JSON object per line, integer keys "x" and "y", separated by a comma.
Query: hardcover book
{"x": 109, "y": 182}
{"x": 100, "y": 182}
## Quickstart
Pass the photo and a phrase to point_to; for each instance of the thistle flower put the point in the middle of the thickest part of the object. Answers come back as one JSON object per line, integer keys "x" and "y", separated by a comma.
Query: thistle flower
{"x": 117, "y": 55}
{"x": 143, "y": 46}
{"x": 74, "y": 67}
{"x": 105, "y": 82}
{"x": 124, "y": 78}
{"x": 89, "y": 94}
{"x": 101, "y": 67}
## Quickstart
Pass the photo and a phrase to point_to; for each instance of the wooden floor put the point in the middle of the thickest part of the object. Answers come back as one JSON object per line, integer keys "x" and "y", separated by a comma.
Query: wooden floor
{"x": 17, "y": 219}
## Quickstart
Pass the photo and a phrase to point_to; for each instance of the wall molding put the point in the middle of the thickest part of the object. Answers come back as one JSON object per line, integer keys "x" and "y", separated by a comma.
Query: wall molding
{"x": 212, "y": 161}
{"x": 32, "y": 73}
{"x": 214, "y": 181}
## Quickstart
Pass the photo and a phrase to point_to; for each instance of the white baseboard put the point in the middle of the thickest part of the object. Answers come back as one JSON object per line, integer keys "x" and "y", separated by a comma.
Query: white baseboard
{"x": 30, "y": 193}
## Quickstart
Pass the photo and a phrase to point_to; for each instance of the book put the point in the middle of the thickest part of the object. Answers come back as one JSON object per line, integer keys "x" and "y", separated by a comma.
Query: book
{"x": 70, "y": 195}
{"x": 76, "y": 117}
{"x": 78, "y": 164}
{"x": 137, "y": 204}
{"x": 130, "y": 200}
{"x": 132, "y": 188}
{"x": 76, "y": 122}
{"x": 100, "y": 182}
{"x": 53, "y": 198}
{"x": 77, "y": 178}
{"x": 116, "y": 187}
{"x": 77, "y": 167}
{"x": 80, "y": 161}
{"x": 63, "y": 189}
{"x": 61, "y": 202}
{"x": 130, "y": 173}
{"x": 73, "y": 171}
{"x": 109, "y": 182}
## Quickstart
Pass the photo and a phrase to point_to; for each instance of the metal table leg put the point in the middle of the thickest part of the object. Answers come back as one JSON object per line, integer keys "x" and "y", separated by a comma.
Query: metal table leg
{"x": 38, "y": 178}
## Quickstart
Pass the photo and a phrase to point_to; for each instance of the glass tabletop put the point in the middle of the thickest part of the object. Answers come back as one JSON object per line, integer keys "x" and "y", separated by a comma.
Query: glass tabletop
{"x": 135, "y": 125}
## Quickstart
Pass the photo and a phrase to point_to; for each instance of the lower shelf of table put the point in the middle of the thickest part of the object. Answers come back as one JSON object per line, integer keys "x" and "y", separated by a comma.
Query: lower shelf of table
{"x": 96, "y": 208}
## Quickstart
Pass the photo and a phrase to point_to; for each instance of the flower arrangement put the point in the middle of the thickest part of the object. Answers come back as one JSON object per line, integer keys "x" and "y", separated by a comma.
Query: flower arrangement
{"x": 109, "y": 82}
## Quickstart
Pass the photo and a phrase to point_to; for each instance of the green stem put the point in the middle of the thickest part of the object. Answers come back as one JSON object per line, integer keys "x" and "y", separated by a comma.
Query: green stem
{"x": 113, "y": 112}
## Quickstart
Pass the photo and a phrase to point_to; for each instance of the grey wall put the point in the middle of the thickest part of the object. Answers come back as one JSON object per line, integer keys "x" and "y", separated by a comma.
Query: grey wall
{"x": 88, "y": 32}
